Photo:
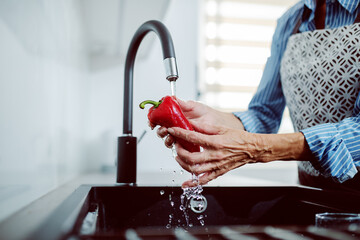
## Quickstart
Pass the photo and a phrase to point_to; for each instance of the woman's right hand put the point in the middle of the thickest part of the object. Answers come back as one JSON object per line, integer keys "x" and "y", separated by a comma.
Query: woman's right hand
{"x": 198, "y": 113}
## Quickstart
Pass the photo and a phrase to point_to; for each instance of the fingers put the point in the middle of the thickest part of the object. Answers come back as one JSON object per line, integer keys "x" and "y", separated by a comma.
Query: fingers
{"x": 188, "y": 183}
{"x": 189, "y": 136}
{"x": 208, "y": 176}
{"x": 205, "y": 178}
{"x": 190, "y": 161}
{"x": 169, "y": 141}
{"x": 162, "y": 132}
{"x": 189, "y": 157}
{"x": 185, "y": 166}
{"x": 183, "y": 158}
{"x": 200, "y": 166}
{"x": 198, "y": 162}
{"x": 205, "y": 128}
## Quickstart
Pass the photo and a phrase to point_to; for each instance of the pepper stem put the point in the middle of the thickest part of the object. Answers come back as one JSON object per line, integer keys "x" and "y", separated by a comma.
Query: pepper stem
{"x": 142, "y": 104}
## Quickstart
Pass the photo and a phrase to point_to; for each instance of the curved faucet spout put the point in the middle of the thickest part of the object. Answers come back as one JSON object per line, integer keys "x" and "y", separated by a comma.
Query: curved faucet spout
{"x": 169, "y": 61}
{"x": 126, "y": 164}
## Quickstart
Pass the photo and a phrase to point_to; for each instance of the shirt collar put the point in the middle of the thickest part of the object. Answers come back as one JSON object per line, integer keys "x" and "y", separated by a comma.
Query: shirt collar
{"x": 349, "y": 5}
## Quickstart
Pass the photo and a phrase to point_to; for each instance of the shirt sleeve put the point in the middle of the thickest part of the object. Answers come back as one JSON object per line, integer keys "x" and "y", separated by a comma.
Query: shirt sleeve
{"x": 336, "y": 147}
{"x": 265, "y": 110}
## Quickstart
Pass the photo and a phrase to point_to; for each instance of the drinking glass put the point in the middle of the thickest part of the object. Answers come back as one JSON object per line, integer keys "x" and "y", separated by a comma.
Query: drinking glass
{"x": 337, "y": 220}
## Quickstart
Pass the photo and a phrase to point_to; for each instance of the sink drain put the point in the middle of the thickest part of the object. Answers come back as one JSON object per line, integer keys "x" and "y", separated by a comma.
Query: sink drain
{"x": 198, "y": 205}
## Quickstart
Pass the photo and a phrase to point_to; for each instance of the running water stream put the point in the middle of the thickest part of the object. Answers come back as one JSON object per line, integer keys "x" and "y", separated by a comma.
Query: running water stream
{"x": 189, "y": 193}
{"x": 173, "y": 88}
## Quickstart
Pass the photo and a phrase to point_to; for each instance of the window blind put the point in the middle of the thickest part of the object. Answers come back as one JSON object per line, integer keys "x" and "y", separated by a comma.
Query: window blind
{"x": 236, "y": 42}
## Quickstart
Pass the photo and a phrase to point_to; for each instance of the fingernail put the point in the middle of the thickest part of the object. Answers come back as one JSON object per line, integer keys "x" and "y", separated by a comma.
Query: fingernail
{"x": 171, "y": 131}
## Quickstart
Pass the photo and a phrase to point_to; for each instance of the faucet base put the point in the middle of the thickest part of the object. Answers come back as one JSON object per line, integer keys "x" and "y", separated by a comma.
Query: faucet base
{"x": 126, "y": 159}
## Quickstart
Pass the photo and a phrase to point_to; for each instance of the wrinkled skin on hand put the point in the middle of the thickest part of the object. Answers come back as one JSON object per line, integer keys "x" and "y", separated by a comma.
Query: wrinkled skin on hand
{"x": 224, "y": 149}
{"x": 226, "y": 145}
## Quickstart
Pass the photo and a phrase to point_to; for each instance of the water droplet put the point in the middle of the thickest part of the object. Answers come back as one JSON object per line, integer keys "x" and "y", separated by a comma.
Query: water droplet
{"x": 200, "y": 217}
{"x": 172, "y": 203}
{"x": 168, "y": 226}
{"x": 202, "y": 222}
{"x": 191, "y": 225}
{"x": 160, "y": 169}
{"x": 174, "y": 172}
{"x": 181, "y": 172}
{"x": 173, "y": 180}
{"x": 170, "y": 216}
{"x": 162, "y": 192}
{"x": 169, "y": 197}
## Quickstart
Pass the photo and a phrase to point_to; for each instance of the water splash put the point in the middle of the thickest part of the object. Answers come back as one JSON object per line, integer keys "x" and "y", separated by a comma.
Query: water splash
{"x": 194, "y": 193}
{"x": 201, "y": 220}
{"x": 187, "y": 195}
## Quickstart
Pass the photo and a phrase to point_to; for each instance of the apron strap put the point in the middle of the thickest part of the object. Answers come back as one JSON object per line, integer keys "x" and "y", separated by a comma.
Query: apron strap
{"x": 357, "y": 19}
{"x": 306, "y": 13}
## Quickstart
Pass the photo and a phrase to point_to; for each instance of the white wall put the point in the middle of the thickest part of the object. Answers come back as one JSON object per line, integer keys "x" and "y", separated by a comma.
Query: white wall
{"x": 58, "y": 118}
{"x": 42, "y": 99}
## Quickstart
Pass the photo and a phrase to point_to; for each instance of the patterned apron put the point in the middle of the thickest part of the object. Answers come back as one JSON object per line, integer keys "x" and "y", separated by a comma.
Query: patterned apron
{"x": 320, "y": 79}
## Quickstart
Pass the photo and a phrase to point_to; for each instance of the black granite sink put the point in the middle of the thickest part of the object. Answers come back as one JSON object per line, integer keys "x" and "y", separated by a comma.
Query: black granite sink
{"x": 96, "y": 212}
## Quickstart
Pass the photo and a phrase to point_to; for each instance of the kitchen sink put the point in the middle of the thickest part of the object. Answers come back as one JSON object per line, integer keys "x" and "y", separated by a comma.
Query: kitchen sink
{"x": 97, "y": 212}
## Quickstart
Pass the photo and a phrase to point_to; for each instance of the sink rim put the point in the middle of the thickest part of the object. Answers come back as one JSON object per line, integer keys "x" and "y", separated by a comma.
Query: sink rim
{"x": 66, "y": 214}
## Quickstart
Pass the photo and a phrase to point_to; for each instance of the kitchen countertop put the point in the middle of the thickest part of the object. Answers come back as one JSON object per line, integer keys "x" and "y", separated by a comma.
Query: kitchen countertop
{"x": 25, "y": 221}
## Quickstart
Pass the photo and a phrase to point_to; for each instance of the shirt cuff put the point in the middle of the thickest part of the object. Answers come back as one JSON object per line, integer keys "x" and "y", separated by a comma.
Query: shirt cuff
{"x": 252, "y": 122}
{"x": 333, "y": 159}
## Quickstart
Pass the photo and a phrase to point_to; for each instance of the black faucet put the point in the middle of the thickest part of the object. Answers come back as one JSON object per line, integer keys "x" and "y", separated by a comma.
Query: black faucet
{"x": 126, "y": 159}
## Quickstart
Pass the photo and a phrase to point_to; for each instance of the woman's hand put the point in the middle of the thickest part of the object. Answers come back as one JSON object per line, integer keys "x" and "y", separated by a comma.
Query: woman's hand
{"x": 198, "y": 113}
{"x": 225, "y": 149}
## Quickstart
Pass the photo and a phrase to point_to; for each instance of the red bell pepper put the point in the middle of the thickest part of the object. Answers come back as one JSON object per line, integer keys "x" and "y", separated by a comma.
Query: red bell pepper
{"x": 167, "y": 113}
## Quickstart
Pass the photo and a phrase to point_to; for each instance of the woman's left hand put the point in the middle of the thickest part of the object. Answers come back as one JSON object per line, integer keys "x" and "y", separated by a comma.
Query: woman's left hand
{"x": 224, "y": 149}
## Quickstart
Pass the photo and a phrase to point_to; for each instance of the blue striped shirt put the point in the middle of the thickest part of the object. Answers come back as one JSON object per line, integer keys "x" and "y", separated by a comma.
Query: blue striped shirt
{"x": 336, "y": 146}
